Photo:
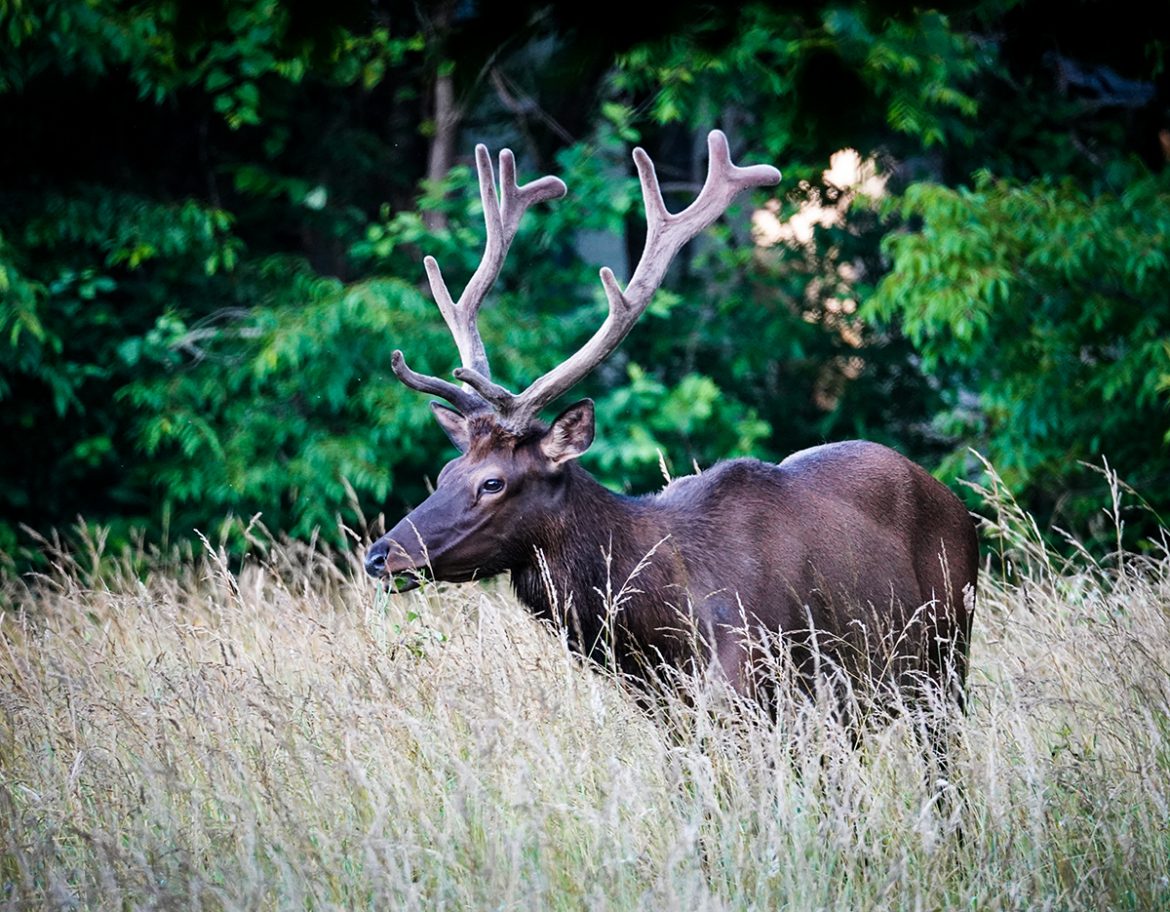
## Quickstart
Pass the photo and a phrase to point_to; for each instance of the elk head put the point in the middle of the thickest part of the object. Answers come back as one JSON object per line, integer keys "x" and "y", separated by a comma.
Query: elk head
{"x": 492, "y": 501}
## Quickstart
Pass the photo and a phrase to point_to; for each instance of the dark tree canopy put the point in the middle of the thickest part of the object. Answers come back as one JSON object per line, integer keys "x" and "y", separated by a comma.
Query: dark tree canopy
{"x": 213, "y": 215}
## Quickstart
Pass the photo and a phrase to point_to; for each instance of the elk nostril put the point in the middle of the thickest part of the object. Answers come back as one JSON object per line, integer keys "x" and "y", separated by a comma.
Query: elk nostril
{"x": 376, "y": 560}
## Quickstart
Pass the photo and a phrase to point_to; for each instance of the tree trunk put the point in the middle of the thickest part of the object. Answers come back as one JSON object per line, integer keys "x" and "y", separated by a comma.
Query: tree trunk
{"x": 446, "y": 114}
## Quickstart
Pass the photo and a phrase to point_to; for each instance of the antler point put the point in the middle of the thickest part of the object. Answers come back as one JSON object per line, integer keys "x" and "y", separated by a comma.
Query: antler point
{"x": 718, "y": 146}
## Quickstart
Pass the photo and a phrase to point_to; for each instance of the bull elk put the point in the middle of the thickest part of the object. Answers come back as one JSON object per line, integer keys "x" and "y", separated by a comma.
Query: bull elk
{"x": 850, "y": 546}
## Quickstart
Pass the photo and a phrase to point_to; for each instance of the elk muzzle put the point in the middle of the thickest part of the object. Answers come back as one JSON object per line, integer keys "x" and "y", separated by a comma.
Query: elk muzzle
{"x": 441, "y": 539}
{"x": 388, "y": 560}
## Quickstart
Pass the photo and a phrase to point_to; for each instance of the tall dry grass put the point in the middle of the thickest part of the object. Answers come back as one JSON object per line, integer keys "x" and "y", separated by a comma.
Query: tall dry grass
{"x": 176, "y": 735}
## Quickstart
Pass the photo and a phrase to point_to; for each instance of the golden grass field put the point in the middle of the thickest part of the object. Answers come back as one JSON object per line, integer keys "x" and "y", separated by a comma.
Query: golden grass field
{"x": 176, "y": 735}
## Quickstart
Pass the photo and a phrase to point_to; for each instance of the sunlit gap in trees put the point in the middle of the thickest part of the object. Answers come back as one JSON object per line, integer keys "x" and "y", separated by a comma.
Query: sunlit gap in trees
{"x": 828, "y": 303}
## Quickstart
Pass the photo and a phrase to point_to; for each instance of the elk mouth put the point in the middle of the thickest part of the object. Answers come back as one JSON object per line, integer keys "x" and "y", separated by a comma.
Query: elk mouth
{"x": 393, "y": 568}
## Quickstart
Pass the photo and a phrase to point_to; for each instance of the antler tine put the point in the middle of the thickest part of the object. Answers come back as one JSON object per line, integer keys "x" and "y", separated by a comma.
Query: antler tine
{"x": 666, "y": 234}
{"x": 463, "y": 317}
{"x": 466, "y": 402}
{"x": 501, "y": 221}
{"x": 517, "y": 199}
{"x": 502, "y": 218}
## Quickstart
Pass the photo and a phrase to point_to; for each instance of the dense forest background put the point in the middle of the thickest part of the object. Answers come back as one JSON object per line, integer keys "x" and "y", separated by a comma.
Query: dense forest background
{"x": 213, "y": 216}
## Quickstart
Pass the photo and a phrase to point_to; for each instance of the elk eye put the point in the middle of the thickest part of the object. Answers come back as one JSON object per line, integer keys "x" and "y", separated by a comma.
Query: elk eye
{"x": 492, "y": 486}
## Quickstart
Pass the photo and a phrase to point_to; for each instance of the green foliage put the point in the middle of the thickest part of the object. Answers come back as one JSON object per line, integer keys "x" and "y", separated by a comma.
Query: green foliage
{"x": 212, "y": 226}
{"x": 1025, "y": 319}
{"x": 267, "y": 422}
{"x": 229, "y": 52}
{"x": 143, "y": 318}
{"x": 813, "y": 82}
{"x": 85, "y": 278}
{"x": 775, "y": 329}
{"x": 644, "y": 420}
{"x": 1050, "y": 302}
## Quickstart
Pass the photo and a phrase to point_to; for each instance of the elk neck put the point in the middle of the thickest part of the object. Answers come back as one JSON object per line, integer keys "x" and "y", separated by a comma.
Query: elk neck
{"x": 583, "y": 559}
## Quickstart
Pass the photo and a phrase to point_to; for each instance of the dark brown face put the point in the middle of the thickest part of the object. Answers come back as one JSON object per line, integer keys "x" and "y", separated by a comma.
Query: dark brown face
{"x": 489, "y": 504}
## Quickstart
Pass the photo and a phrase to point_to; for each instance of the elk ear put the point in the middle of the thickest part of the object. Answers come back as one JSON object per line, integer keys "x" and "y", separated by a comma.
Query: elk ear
{"x": 454, "y": 425}
{"x": 571, "y": 433}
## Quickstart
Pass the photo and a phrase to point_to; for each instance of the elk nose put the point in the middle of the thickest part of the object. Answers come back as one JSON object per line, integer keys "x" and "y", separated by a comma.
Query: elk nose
{"x": 376, "y": 559}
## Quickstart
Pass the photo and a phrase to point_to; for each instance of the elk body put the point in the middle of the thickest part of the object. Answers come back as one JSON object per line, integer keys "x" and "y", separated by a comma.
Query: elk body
{"x": 848, "y": 552}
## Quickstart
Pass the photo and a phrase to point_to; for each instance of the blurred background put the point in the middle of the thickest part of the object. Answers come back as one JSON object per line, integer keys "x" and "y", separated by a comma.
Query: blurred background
{"x": 213, "y": 216}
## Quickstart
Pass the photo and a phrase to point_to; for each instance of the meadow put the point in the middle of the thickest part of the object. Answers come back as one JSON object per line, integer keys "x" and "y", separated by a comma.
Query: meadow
{"x": 178, "y": 731}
